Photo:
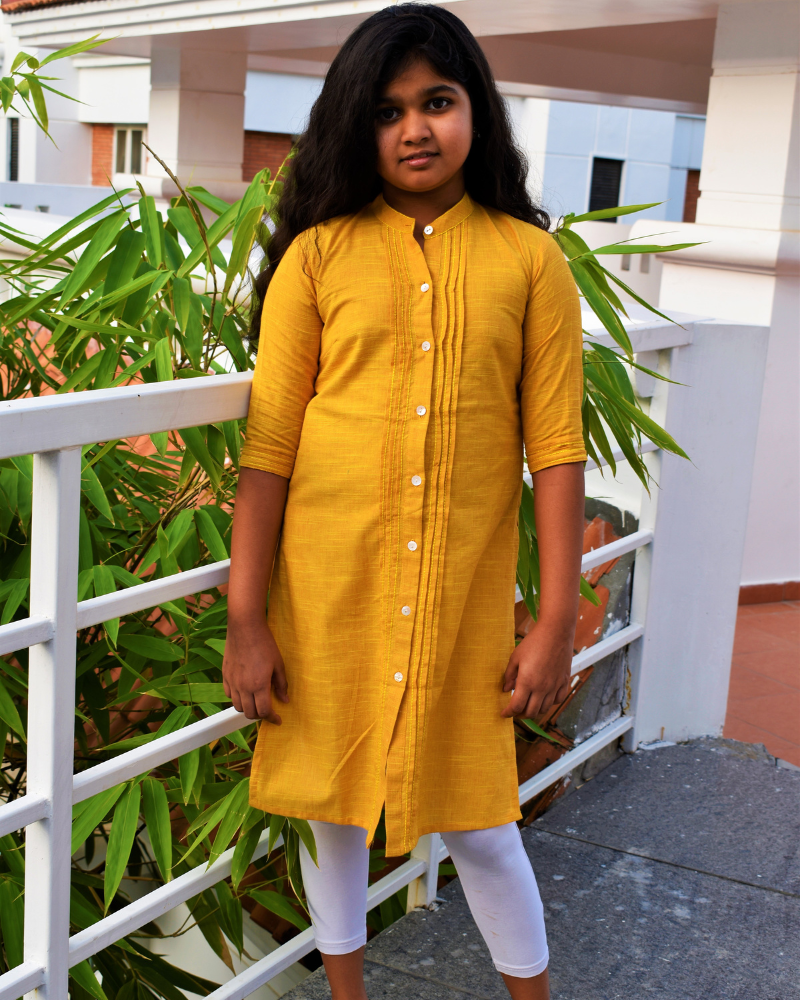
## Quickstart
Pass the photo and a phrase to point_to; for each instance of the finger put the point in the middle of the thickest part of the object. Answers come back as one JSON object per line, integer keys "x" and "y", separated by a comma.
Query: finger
{"x": 516, "y": 703}
{"x": 280, "y": 683}
{"x": 263, "y": 700}
{"x": 510, "y": 675}
{"x": 248, "y": 705}
{"x": 225, "y": 685}
{"x": 563, "y": 691}
{"x": 533, "y": 707}
{"x": 236, "y": 699}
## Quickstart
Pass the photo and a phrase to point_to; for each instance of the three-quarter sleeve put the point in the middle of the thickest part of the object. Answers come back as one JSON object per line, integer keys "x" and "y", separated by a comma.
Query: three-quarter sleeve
{"x": 286, "y": 366}
{"x": 551, "y": 389}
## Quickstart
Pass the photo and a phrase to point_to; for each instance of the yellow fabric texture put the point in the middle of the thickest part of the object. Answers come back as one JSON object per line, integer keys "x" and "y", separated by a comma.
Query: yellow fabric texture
{"x": 395, "y": 388}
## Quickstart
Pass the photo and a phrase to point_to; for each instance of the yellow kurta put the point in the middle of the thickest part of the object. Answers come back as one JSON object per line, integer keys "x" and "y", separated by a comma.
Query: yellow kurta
{"x": 396, "y": 388}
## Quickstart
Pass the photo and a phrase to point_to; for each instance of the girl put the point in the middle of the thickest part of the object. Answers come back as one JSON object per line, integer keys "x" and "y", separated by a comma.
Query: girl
{"x": 418, "y": 325}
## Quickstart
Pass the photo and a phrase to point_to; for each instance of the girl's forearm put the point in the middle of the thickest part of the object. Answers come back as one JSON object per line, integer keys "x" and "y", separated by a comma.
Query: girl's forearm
{"x": 559, "y": 501}
{"x": 257, "y": 519}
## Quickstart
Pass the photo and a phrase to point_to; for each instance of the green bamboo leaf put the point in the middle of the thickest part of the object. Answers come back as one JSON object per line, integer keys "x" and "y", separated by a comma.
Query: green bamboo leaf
{"x": 74, "y": 50}
{"x": 151, "y": 648}
{"x": 39, "y": 102}
{"x": 587, "y": 591}
{"x": 176, "y": 720}
{"x": 16, "y": 592}
{"x": 156, "y": 815}
{"x": 243, "y": 852}
{"x": 188, "y": 766}
{"x": 276, "y": 824}
{"x": 85, "y": 373}
{"x": 230, "y": 915}
{"x": 234, "y": 816}
{"x": 103, "y": 238}
{"x": 104, "y": 584}
{"x": 279, "y": 905}
{"x": 152, "y": 227}
{"x": 536, "y": 728}
{"x": 193, "y": 439}
{"x": 120, "y": 841}
{"x": 211, "y": 201}
{"x": 242, "y": 245}
{"x": 87, "y": 815}
{"x": 13, "y": 854}
{"x": 133, "y": 368}
{"x": 94, "y": 492}
{"x": 291, "y": 846}
{"x": 233, "y": 440}
{"x": 306, "y": 834}
{"x": 214, "y": 234}
{"x": 601, "y": 307}
{"x": 12, "y": 920}
{"x": 611, "y": 213}
{"x": 8, "y": 711}
{"x": 633, "y": 248}
{"x": 210, "y": 535}
{"x": 181, "y": 299}
{"x": 84, "y": 977}
{"x": 163, "y": 360}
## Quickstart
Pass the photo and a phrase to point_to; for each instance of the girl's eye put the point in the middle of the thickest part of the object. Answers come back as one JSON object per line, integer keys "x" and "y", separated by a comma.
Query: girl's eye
{"x": 387, "y": 114}
{"x": 439, "y": 103}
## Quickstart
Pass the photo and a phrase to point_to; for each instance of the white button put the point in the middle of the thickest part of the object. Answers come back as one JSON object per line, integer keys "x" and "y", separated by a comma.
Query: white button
{"x": 406, "y": 610}
{"x": 424, "y": 287}
{"x": 428, "y": 230}
{"x": 413, "y": 546}
{"x": 398, "y": 676}
{"x": 416, "y": 480}
{"x": 421, "y": 411}
{"x": 426, "y": 345}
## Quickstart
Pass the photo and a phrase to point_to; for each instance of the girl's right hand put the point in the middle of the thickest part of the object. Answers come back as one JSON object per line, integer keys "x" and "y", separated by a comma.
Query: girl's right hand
{"x": 253, "y": 667}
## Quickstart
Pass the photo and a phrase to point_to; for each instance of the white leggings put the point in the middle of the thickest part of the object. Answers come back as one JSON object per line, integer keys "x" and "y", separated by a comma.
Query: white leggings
{"x": 495, "y": 874}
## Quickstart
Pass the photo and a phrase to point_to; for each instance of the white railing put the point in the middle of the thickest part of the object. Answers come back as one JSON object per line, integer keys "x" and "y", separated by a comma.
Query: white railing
{"x": 53, "y": 429}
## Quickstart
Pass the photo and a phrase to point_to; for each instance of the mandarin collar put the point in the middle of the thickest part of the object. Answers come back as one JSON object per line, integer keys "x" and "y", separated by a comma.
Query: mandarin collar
{"x": 451, "y": 218}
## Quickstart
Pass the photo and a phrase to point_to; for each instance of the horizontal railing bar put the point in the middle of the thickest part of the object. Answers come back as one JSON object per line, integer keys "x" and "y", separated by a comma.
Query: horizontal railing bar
{"x": 25, "y": 632}
{"x": 145, "y": 758}
{"x": 21, "y": 812}
{"x": 155, "y": 904}
{"x": 605, "y": 553}
{"x": 147, "y": 595}
{"x": 280, "y": 959}
{"x": 544, "y": 779}
{"x": 402, "y": 875}
{"x": 21, "y": 979}
{"x": 267, "y": 968}
{"x": 49, "y": 423}
{"x": 606, "y": 647}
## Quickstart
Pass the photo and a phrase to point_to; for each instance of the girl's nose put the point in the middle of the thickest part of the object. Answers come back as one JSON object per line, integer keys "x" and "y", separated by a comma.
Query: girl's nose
{"x": 416, "y": 129}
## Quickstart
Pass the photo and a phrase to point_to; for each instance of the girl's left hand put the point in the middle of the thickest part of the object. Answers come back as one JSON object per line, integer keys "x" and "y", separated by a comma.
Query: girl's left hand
{"x": 539, "y": 671}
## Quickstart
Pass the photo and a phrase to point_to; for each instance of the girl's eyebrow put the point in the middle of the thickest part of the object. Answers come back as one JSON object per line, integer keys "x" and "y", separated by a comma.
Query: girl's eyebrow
{"x": 427, "y": 92}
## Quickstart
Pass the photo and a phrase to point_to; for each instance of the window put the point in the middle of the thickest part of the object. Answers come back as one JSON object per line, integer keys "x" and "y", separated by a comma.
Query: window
{"x": 606, "y": 177}
{"x": 13, "y": 149}
{"x": 128, "y": 151}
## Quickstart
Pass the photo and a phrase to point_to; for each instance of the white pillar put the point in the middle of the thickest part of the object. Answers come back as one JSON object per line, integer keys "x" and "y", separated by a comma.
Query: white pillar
{"x": 749, "y": 269}
{"x": 196, "y": 118}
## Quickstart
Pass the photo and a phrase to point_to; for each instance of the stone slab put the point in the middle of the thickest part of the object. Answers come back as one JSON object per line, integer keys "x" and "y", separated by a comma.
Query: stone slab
{"x": 715, "y": 805}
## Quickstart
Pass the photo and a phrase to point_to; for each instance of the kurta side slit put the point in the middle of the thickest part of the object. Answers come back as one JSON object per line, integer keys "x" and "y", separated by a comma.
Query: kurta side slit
{"x": 395, "y": 389}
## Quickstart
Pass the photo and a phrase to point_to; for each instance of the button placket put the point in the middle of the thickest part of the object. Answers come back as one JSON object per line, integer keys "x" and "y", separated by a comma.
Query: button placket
{"x": 414, "y": 435}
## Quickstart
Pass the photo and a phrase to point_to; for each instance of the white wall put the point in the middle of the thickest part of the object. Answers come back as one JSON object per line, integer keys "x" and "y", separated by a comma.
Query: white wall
{"x": 114, "y": 89}
{"x": 279, "y": 102}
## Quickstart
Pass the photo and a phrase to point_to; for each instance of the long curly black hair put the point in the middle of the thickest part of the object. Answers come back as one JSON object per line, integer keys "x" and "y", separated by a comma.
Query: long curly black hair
{"x": 333, "y": 171}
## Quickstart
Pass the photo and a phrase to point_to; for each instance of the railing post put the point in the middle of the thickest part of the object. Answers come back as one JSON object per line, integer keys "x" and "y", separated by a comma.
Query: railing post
{"x": 422, "y": 891}
{"x": 681, "y": 678}
{"x": 51, "y": 720}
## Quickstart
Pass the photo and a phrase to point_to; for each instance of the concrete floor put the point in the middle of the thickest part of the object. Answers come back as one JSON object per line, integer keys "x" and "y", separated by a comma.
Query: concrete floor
{"x": 673, "y": 875}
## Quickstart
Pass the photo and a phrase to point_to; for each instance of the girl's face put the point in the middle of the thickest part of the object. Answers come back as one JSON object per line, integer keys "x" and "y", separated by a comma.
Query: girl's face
{"x": 423, "y": 129}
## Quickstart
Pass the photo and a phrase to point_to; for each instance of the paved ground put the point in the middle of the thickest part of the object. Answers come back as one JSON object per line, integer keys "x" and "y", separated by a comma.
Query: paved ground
{"x": 673, "y": 875}
{"x": 764, "y": 698}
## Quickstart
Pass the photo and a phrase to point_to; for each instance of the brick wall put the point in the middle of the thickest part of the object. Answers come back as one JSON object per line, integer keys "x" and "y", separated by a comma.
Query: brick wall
{"x": 264, "y": 149}
{"x": 102, "y": 154}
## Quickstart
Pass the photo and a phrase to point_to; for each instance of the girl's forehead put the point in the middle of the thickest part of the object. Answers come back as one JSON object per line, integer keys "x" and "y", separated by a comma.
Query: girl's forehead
{"x": 419, "y": 74}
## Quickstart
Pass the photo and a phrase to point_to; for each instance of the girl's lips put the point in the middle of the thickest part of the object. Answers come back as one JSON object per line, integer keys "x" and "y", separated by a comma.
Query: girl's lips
{"x": 418, "y": 159}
